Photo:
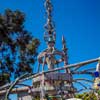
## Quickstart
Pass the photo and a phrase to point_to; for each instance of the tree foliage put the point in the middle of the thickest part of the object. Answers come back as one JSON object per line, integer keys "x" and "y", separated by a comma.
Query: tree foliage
{"x": 87, "y": 96}
{"x": 18, "y": 47}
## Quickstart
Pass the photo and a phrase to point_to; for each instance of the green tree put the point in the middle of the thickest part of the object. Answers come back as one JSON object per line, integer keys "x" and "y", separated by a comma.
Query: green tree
{"x": 18, "y": 47}
{"x": 86, "y": 96}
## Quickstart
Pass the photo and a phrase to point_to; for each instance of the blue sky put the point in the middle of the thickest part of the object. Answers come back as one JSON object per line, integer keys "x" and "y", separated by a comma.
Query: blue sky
{"x": 77, "y": 20}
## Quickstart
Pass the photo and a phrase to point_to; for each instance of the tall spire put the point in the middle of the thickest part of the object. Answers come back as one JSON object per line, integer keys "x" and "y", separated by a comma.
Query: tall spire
{"x": 65, "y": 51}
{"x": 49, "y": 35}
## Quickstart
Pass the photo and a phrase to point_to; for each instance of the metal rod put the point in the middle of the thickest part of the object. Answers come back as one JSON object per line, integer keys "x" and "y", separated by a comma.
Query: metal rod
{"x": 56, "y": 69}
